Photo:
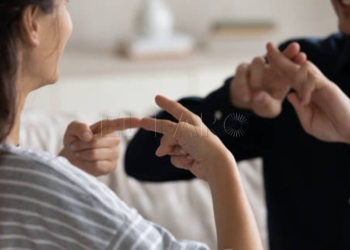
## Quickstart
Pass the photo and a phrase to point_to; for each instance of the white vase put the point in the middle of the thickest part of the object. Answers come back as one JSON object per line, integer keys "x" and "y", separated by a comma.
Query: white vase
{"x": 156, "y": 19}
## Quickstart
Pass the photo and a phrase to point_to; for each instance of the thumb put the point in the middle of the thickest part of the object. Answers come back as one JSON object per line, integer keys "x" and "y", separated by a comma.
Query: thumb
{"x": 303, "y": 111}
{"x": 79, "y": 130}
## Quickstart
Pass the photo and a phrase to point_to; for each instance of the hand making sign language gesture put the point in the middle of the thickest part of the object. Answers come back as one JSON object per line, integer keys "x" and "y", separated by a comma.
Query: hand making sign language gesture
{"x": 94, "y": 148}
{"x": 323, "y": 109}
{"x": 257, "y": 87}
{"x": 193, "y": 147}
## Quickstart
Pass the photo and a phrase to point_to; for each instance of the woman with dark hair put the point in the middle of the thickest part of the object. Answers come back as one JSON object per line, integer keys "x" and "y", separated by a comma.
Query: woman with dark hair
{"x": 46, "y": 202}
{"x": 30, "y": 61}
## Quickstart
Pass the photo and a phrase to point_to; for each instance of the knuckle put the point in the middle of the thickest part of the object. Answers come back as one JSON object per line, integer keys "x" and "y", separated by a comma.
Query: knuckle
{"x": 308, "y": 65}
{"x": 92, "y": 154}
{"x": 258, "y": 61}
{"x": 104, "y": 172}
{"x": 242, "y": 68}
{"x": 276, "y": 111}
{"x": 73, "y": 124}
{"x": 239, "y": 84}
{"x": 76, "y": 145}
{"x": 93, "y": 143}
{"x": 267, "y": 109}
{"x": 164, "y": 140}
{"x": 92, "y": 166}
{"x": 101, "y": 168}
{"x": 196, "y": 118}
{"x": 182, "y": 124}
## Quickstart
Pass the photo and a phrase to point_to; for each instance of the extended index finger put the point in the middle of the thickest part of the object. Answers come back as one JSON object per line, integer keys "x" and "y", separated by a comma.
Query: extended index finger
{"x": 110, "y": 126}
{"x": 158, "y": 126}
{"x": 178, "y": 111}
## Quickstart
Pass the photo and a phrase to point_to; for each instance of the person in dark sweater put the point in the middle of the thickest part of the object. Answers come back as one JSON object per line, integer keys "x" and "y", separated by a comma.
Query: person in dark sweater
{"x": 307, "y": 181}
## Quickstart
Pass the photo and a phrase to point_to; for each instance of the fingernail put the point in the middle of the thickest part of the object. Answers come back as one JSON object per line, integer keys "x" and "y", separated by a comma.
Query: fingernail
{"x": 77, "y": 154}
{"x": 183, "y": 152}
{"x": 86, "y": 136}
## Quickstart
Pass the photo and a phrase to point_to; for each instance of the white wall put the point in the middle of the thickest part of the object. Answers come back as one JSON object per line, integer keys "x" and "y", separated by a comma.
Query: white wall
{"x": 101, "y": 24}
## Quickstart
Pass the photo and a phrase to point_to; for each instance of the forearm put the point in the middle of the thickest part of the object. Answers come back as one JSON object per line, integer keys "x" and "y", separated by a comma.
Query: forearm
{"x": 235, "y": 223}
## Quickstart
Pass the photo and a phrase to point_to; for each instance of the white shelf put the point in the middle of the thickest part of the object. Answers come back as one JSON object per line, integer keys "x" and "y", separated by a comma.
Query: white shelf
{"x": 97, "y": 82}
{"x": 82, "y": 63}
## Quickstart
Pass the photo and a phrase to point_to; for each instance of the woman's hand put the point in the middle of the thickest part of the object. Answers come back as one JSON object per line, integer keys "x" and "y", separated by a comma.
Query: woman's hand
{"x": 193, "y": 147}
{"x": 323, "y": 109}
{"x": 189, "y": 142}
{"x": 94, "y": 149}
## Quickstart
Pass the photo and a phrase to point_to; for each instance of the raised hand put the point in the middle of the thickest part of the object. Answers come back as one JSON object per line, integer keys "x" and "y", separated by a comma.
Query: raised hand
{"x": 323, "y": 109}
{"x": 193, "y": 147}
{"x": 258, "y": 88}
{"x": 94, "y": 149}
{"x": 190, "y": 143}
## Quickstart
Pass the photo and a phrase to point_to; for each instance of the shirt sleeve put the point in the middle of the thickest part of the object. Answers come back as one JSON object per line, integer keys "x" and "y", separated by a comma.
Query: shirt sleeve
{"x": 139, "y": 234}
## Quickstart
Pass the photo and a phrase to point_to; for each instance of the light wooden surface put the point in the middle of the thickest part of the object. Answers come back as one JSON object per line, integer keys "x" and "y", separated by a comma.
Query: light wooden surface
{"x": 107, "y": 84}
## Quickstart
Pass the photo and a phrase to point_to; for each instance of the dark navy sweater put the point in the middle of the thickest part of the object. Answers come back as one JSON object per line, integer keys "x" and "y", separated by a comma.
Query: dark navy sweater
{"x": 307, "y": 181}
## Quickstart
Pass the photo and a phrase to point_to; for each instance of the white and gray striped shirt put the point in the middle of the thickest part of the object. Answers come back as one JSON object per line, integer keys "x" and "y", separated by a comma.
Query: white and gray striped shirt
{"x": 46, "y": 203}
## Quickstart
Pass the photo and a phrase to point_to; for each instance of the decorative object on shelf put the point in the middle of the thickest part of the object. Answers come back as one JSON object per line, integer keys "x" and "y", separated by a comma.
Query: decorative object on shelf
{"x": 239, "y": 36}
{"x": 156, "y": 19}
{"x": 156, "y": 37}
{"x": 242, "y": 27}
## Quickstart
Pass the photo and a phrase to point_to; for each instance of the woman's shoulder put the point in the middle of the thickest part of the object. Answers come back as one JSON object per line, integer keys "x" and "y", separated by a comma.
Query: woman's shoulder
{"x": 37, "y": 187}
{"x": 54, "y": 173}
{"x": 37, "y": 160}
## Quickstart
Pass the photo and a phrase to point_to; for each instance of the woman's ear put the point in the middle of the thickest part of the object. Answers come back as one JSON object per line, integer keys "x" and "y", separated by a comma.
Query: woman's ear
{"x": 30, "y": 25}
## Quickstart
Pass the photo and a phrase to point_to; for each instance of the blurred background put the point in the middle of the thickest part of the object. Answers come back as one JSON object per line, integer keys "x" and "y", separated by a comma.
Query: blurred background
{"x": 101, "y": 24}
{"x": 123, "y": 53}
{"x": 111, "y": 66}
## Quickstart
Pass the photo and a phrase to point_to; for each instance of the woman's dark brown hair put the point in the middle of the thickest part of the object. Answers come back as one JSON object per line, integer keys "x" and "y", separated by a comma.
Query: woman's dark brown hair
{"x": 10, "y": 19}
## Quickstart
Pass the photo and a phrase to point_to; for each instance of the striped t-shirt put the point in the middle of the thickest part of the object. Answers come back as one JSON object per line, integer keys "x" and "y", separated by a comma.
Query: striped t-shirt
{"x": 46, "y": 203}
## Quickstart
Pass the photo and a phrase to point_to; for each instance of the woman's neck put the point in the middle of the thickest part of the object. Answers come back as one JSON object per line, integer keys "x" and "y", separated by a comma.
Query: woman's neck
{"x": 13, "y": 137}
{"x": 24, "y": 86}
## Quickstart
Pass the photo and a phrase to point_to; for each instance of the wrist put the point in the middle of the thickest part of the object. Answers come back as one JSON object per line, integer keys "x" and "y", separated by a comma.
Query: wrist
{"x": 220, "y": 165}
